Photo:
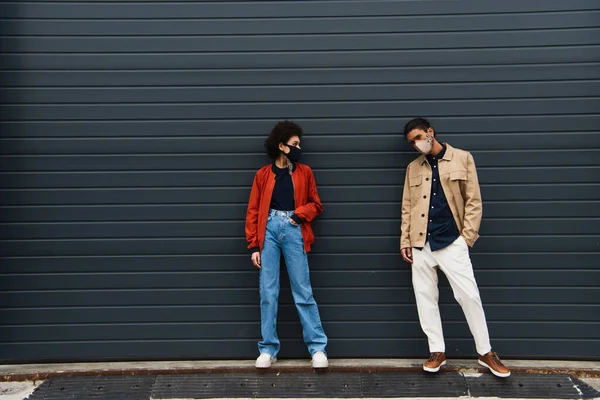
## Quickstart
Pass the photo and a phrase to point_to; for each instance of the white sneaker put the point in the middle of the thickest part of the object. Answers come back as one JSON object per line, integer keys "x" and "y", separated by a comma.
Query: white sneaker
{"x": 265, "y": 360}
{"x": 319, "y": 360}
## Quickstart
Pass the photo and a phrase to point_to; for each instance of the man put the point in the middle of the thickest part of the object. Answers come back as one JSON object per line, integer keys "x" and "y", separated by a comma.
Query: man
{"x": 441, "y": 213}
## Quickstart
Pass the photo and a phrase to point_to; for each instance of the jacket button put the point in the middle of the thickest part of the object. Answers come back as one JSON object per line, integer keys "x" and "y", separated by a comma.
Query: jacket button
{"x": 422, "y": 215}
{"x": 424, "y": 197}
{"x": 426, "y": 179}
{"x": 420, "y": 233}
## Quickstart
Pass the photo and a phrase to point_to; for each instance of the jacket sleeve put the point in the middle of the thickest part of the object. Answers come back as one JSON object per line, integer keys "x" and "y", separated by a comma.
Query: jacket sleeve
{"x": 473, "y": 204}
{"x": 406, "y": 211}
{"x": 313, "y": 207}
{"x": 252, "y": 216}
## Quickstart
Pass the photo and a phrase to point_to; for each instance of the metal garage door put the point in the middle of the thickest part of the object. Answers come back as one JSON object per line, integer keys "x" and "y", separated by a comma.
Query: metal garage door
{"x": 131, "y": 132}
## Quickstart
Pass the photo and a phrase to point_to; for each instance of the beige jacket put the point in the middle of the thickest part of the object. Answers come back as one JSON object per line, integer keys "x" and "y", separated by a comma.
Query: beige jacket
{"x": 459, "y": 180}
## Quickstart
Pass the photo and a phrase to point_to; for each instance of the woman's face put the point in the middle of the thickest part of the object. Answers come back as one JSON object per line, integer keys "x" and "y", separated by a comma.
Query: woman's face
{"x": 293, "y": 141}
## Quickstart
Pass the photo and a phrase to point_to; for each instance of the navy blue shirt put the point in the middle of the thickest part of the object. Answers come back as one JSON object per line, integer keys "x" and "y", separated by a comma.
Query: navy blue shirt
{"x": 441, "y": 227}
{"x": 283, "y": 193}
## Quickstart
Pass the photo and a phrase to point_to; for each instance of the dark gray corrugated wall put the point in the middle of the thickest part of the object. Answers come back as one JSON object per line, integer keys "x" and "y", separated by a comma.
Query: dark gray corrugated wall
{"x": 131, "y": 132}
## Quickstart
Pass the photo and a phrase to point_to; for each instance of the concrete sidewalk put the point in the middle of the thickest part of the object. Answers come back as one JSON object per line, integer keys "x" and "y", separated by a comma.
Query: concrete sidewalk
{"x": 30, "y": 372}
{"x": 384, "y": 385}
{"x": 19, "y": 381}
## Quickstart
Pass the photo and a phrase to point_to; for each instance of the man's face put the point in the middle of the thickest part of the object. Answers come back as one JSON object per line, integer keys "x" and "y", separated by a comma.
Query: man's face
{"x": 422, "y": 141}
{"x": 418, "y": 134}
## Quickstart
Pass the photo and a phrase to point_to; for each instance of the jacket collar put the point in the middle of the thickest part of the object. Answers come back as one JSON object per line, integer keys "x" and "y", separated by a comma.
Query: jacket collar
{"x": 447, "y": 155}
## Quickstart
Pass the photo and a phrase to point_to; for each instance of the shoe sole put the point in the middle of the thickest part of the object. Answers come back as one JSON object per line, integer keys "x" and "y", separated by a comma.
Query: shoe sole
{"x": 320, "y": 365}
{"x": 273, "y": 361}
{"x": 427, "y": 369}
{"x": 493, "y": 371}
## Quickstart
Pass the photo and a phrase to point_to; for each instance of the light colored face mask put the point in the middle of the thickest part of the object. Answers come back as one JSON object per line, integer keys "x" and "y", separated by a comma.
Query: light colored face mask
{"x": 425, "y": 145}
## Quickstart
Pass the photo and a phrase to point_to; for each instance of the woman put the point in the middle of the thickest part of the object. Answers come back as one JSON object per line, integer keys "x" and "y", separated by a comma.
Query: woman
{"x": 283, "y": 202}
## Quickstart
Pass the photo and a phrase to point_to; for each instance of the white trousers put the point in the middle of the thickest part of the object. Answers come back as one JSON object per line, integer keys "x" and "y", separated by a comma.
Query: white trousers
{"x": 455, "y": 262}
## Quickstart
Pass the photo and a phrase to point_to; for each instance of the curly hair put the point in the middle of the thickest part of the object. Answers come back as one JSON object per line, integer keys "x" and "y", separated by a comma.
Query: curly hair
{"x": 281, "y": 133}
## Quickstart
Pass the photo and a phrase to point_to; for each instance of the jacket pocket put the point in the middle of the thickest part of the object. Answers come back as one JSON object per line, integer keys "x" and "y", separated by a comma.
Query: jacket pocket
{"x": 415, "y": 187}
{"x": 457, "y": 181}
{"x": 458, "y": 175}
{"x": 415, "y": 180}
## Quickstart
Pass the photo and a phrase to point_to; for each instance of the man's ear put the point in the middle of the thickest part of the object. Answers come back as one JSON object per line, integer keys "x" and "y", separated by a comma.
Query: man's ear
{"x": 431, "y": 131}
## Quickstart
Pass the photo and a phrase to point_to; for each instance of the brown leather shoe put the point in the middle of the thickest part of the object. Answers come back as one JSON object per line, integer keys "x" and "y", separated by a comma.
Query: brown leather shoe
{"x": 492, "y": 361}
{"x": 436, "y": 360}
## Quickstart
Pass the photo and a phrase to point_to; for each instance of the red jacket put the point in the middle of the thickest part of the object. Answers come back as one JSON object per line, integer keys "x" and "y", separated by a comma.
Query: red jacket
{"x": 306, "y": 197}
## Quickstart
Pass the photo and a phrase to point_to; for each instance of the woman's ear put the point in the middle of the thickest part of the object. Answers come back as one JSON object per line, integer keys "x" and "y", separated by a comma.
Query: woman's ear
{"x": 282, "y": 147}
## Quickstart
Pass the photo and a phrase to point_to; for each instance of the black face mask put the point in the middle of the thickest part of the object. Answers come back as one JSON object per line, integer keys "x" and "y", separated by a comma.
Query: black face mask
{"x": 295, "y": 153}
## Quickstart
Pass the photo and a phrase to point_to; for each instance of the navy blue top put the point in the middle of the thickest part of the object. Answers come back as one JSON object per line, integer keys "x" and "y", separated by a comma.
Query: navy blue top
{"x": 283, "y": 193}
{"x": 441, "y": 228}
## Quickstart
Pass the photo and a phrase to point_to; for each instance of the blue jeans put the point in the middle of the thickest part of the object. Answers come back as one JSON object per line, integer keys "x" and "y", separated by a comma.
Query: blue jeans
{"x": 284, "y": 237}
